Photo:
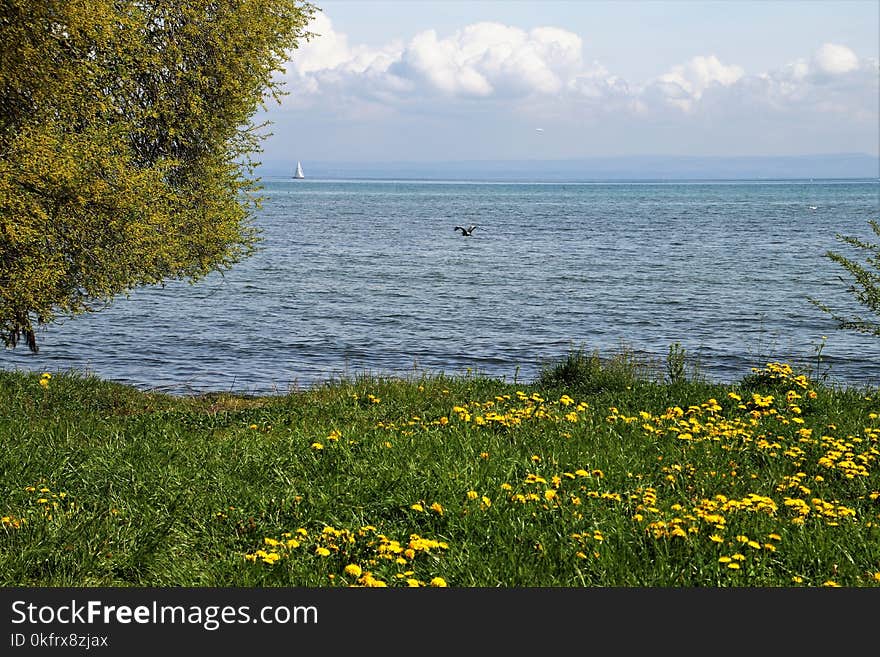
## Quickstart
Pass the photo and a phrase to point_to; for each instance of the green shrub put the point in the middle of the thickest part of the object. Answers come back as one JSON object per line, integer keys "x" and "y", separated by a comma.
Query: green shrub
{"x": 592, "y": 373}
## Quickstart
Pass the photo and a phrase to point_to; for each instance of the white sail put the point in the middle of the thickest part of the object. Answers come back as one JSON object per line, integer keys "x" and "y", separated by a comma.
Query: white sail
{"x": 299, "y": 171}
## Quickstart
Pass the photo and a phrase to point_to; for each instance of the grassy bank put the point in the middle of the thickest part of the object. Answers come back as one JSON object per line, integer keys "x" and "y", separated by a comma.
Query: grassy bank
{"x": 595, "y": 475}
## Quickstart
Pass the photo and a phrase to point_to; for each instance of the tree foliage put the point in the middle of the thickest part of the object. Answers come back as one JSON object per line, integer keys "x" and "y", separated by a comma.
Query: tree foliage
{"x": 127, "y": 143}
{"x": 864, "y": 283}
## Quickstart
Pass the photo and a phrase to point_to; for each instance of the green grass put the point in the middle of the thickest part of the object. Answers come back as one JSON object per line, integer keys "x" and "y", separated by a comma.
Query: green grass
{"x": 599, "y": 473}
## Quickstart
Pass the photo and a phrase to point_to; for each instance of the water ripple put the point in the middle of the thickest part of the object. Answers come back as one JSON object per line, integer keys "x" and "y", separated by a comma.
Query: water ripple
{"x": 370, "y": 277}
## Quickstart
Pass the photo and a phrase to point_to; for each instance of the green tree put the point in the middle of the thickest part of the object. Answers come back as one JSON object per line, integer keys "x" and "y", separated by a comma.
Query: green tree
{"x": 864, "y": 283}
{"x": 127, "y": 144}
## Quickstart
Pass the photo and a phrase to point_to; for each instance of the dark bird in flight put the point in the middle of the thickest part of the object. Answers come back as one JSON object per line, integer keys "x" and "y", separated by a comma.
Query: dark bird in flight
{"x": 465, "y": 231}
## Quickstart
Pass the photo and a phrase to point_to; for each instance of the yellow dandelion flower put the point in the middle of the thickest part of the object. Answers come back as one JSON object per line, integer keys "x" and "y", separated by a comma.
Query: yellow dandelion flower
{"x": 322, "y": 552}
{"x": 472, "y": 494}
{"x": 724, "y": 559}
{"x": 413, "y": 583}
{"x": 439, "y": 581}
{"x": 797, "y": 580}
{"x": 485, "y": 502}
{"x": 436, "y": 506}
{"x": 484, "y": 455}
{"x": 317, "y": 446}
{"x": 417, "y": 507}
{"x": 715, "y": 538}
{"x": 831, "y": 583}
{"x": 549, "y": 494}
{"x": 354, "y": 570}
{"x": 733, "y": 566}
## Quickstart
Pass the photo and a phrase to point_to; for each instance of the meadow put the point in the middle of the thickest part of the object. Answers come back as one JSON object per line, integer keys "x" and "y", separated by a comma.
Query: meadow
{"x": 601, "y": 472}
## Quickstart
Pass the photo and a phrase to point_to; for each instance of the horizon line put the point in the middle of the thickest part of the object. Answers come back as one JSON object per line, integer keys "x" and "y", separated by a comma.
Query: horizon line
{"x": 577, "y": 158}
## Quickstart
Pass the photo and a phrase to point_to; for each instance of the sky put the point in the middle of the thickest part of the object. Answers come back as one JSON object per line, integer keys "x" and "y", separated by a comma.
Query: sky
{"x": 410, "y": 80}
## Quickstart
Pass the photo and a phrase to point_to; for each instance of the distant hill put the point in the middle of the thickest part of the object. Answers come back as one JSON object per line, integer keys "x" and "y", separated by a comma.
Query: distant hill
{"x": 647, "y": 167}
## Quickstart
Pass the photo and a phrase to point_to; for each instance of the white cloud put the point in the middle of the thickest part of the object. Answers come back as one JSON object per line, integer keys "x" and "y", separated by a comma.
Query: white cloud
{"x": 701, "y": 72}
{"x": 490, "y": 59}
{"x": 479, "y": 61}
{"x": 835, "y": 59}
{"x": 441, "y": 65}
{"x": 543, "y": 70}
{"x": 329, "y": 50}
{"x": 833, "y": 81}
{"x": 684, "y": 85}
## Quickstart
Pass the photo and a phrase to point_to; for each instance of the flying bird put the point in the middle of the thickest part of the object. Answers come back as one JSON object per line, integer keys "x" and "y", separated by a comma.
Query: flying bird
{"x": 465, "y": 231}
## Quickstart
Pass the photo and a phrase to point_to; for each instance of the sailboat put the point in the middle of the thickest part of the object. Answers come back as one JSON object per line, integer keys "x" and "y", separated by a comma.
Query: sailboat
{"x": 299, "y": 171}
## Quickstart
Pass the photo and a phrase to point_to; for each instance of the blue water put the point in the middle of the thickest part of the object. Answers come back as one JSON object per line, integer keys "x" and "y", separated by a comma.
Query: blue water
{"x": 361, "y": 277}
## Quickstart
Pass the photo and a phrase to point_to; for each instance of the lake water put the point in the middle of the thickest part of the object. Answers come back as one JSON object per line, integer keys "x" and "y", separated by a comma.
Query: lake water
{"x": 361, "y": 277}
